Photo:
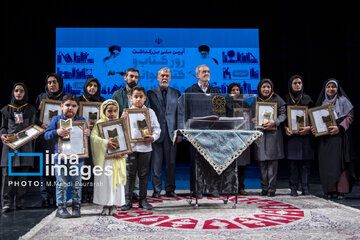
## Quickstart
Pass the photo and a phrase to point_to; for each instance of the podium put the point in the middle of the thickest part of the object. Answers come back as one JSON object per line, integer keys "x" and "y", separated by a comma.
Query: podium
{"x": 219, "y": 132}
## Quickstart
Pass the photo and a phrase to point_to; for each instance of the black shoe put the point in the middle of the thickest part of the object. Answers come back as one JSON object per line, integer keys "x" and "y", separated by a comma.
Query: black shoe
{"x": 271, "y": 194}
{"x": 5, "y": 209}
{"x": 156, "y": 195}
{"x": 76, "y": 211}
{"x": 62, "y": 212}
{"x": 171, "y": 194}
{"x": 305, "y": 192}
{"x": 293, "y": 193}
{"x": 263, "y": 193}
{"x": 45, "y": 203}
{"x": 196, "y": 195}
{"x": 19, "y": 207}
{"x": 329, "y": 195}
{"x": 126, "y": 207}
{"x": 341, "y": 196}
{"x": 135, "y": 196}
{"x": 145, "y": 205}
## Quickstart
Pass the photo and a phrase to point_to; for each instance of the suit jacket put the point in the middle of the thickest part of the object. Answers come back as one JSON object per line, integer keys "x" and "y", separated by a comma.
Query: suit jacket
{"x": 167, "y": 117}
{"x": 198, "y": 105}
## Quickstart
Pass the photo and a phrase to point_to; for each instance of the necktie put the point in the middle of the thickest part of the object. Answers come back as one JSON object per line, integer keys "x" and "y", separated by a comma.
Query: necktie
{"x": 164, "y": 92}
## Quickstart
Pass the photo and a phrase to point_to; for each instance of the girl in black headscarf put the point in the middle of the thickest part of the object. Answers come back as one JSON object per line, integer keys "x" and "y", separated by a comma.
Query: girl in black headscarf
{"x": 54, "y": 91}
{"x": 298, "y": 147}
{"x": 235, "y": 100}
{"x": 16, "y": 116}
{"x": 92, "y": 91}
{"x": 271, "y": 148}
{"x": 335, "y": 155}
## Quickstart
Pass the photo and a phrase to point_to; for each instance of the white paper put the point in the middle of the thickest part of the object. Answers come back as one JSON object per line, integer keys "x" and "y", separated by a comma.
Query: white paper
{"x": 134, "y": 130}
{"x": 262, "y": 109}
{"x": 294, "y": 113}
{"x": 76, "y": 143}
{"x": 30, "y": 133}
{"x": 120, "y": 137}
{"x": 320, "y": 125}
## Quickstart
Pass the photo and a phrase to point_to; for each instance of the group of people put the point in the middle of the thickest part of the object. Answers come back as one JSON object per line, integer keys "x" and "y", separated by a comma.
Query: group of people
{"x": 128, "y": 171}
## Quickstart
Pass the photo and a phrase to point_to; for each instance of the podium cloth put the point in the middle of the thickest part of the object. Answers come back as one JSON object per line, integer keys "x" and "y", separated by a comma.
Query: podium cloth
{"x": 220, "y": 148}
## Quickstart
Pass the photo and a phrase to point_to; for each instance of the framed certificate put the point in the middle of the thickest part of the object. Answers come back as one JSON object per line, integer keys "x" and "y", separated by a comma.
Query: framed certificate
{"x": 321, "y": 118}
{"x": 77, "y": 143}
{"x": 117, "y": 130}
{"x": 264, "y": 113}
{"x": 297, "y": 117}
{"x": 246, "y": 114}
{"x": 90, "y": 111}
{"x": 138, "y": 124}
{"x": 49, "y": 109}
{"x": 19, "y": 139}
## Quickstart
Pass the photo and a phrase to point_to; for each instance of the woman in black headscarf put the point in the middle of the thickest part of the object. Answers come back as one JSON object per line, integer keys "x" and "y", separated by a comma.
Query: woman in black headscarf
{"x": 298, "y": 147}
{"x": 335, "y": 150}
{"x": 54, "y": 91}
{"x": 16, "y": 116}
{"x": 235, "y": 100}
{"x": 92, "y": 91}
{"x": 271, "y": 148}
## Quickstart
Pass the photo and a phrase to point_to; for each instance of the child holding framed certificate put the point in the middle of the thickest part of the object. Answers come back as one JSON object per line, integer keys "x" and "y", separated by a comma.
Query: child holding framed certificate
{"x": 146, "y": 127}
{"x": 64, "y": 178}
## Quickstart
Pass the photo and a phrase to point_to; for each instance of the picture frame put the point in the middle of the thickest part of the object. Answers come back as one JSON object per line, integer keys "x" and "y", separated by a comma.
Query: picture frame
{"x": 26, "y": 135}
{"x": 265, "y": 111}
{"x": 87, "y": 111}
{"x": 317, "y": 117}
{"x": 297, "y": 117}
{"x": 246, "y": 114}
{"x": 77, "y": 143}
{"x": 136, "y": 117}
{"x": 116, "y": 129}
{"x": 49, "y": 109}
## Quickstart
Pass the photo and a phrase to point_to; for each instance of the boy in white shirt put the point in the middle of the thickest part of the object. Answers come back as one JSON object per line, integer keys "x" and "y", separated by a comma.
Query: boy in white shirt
{"x": 139, "y": 161}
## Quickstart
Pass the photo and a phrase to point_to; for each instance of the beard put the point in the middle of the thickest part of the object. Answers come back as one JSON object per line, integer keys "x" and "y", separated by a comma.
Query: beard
{"x": 131, "y": 84}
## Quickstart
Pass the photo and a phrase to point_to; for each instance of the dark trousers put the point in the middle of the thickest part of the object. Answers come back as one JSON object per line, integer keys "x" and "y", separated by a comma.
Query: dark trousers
{"x": 193, "y": 179}
{"x": 268, "y": 177}
{"x": 299, "y": 169}
{"x": 47, "y": 187}
{"x": 241, "y": 177}
{"x": 164, "y": 152}
{"x": 12, "y": 188}
{"x": 138, "y": 162}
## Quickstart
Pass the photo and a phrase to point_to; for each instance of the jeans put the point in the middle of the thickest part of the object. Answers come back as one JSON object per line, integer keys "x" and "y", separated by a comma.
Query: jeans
{"x": 68, "y": 175}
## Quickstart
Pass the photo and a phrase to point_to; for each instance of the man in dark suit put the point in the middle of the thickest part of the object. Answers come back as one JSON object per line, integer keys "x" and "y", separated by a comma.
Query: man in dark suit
{"x": 198, "y": 105}
{"x": 163, "y": 100}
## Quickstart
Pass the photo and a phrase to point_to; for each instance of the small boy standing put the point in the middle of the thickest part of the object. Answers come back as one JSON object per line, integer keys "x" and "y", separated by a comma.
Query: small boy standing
{"x": 69, "y": 106}
{"x": 139, "y": 161}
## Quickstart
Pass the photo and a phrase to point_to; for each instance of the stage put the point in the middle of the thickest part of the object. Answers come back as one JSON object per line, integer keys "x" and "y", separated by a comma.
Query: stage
{"x": 280, "y": 217}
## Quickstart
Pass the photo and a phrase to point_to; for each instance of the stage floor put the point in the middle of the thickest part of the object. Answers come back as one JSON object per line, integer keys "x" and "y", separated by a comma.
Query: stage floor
{"x": 17, "y": 223}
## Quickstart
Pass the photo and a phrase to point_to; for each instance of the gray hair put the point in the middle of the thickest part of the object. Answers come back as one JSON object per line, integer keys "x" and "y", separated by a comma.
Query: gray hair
{"x": 198, "y": 68}
{"x": 164, "y": 69}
